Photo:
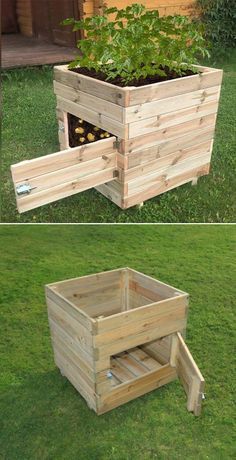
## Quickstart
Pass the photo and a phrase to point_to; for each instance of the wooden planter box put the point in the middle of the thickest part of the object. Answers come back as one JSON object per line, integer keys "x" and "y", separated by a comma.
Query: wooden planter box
{"x": 117, "y": 335}
{"x": 163, "y": 137}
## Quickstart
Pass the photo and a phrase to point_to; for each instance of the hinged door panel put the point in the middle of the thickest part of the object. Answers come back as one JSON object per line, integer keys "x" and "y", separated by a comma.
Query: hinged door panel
{"x": 52, "y": 177}
{"x": 188, "y": 373}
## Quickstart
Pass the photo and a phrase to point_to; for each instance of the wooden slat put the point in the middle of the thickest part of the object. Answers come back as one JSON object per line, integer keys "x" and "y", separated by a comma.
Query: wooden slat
{"x": 144, "y": 358}
{"x": 155, "y": 286}
{"x": 169, "y": 160}
{"x": 84, "y": 359}
{"x": 122, "y": 340}
{"x": 135, "y": 366}
{"x": 121, "y": 372}
{"x": 148, "y": 109}
{"x": 94, "y": 117}
{"x": 159, "y": 349}
{"x": 166, "y": 89}
{"x": 113, "y": 191}
{"x": 173, "y": 132}
{"x": 190, "y": 376}
{"x": 139, "y": 386}
{"x": 136, "y": 315}
{"x": 73, "y": 375}
{"x": 26, "y": 170}
{"x": 69, "y": 307}
{"x": 99, "y": 105}
{"x": 70, "y": 326}
{"x": 165, "y": 185}
{"x": 88, "y": 283}
{"x": 63, "y": 181}
{"x": 162, "y": 175}
{"x": 156, "y": 151}
{"x": 73, "y": 173}
{"x": 154, "y": 124}
{"x": 90, "y": 85}
{"x": 26, "y": 203}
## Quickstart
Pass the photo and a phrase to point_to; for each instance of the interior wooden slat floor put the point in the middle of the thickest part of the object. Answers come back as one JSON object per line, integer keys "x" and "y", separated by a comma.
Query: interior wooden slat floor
{"x": 19, "y": 51}
{"x": 131, "y": 364}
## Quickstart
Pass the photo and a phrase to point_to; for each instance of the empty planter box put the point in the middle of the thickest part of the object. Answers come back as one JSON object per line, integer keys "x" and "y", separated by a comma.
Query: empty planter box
{"x": 117, "y": 335}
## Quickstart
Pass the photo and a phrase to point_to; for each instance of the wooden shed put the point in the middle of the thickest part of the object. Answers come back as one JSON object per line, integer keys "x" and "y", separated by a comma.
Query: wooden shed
{"x": 41, "y": 19}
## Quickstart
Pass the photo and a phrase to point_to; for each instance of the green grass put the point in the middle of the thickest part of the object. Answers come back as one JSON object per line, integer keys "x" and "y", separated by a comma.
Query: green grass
{"x": 43, "y": 416}
{"x": 30, "y": 130}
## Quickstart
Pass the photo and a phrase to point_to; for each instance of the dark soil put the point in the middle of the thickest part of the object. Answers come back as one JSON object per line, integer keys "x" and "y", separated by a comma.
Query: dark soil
{"x": 77, "y": 139}
{"x": 171, "y": 75}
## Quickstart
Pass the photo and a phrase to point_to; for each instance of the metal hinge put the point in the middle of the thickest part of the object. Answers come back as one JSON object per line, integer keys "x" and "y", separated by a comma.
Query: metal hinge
{"x": 116, "y": 144}
{"x": 61, "y": 127}
{"x": 24, "y": 189}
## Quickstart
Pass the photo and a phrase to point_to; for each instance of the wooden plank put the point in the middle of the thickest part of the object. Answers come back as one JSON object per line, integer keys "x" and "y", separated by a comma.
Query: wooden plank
{"x": 76, "y": 380}
{"x": 168, "y": 134}
{"x": 155, "y": 286}
{"x": 26, "y": 170}
{"x": 154, "y": 124}
{"x": 159, "y": 350}
{"x": 139, "y": 386}
{"x": 111, "y": 192}
{"x": 99, "y": 105}
{"x": 163, "y": 315}
{"x": 84, "y": 360}
{"x": 121, "y": 372}
{"x": 26, "y": 203}
{"x": 87, "y": 283}
{"x": 134, "y": 365}
{"x": 72, "y": 358}
{"x": 167, "y": 161}
{"x": 69, "y": 307}
{"x": 163, "y": 186}
{"x": 157, "y": 91}
{"x": 144, "y": 358}
{"x": 70, "y": 326}
{"x": 136, "y": 315}
{"x": 171, "y": 104}
{"x": 190, "y": 376}
{"x": 73, "y": 173}
{"x": 94, "y": 117}
{"x": 182, "y": 146}
{"x": 162, "y": 175}
{"x": 150, "y": 295}
{"x": 89, "y": 85}
{"x": 139, "y": 334}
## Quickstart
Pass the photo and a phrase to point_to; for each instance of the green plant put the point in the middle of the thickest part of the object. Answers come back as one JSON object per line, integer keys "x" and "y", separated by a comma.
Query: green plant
{"x": 219, "y": 18}
{"x": 138, "y": 43}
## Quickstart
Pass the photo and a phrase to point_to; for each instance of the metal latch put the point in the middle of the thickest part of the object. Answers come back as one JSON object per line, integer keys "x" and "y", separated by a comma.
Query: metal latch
{"x": 23, "y": 189}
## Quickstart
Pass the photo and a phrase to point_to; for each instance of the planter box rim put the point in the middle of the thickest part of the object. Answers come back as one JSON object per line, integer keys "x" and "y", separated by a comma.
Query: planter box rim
{"x": 202, "y": 70}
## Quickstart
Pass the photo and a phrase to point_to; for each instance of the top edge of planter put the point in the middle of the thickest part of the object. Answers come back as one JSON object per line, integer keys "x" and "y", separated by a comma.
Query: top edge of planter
{"x": 57, "y": 287}
{"x": 132, "y": 95}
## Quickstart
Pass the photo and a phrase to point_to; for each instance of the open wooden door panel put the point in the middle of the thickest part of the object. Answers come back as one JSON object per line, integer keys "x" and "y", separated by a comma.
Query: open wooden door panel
{"x": 52, "y": 177}
{"x": 188, "y": 373}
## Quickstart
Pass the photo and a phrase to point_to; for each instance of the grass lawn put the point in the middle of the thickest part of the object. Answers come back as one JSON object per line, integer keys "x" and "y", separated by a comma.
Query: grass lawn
{"x": 43, "y": 416}
{"x": 30, "y": 130}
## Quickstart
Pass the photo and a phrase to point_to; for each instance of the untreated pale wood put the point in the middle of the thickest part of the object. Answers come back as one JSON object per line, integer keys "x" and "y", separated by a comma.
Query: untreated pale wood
{"x": 164, "y": 138}
{"x": 113, "y": 345}
{"x": 190, "y": 376}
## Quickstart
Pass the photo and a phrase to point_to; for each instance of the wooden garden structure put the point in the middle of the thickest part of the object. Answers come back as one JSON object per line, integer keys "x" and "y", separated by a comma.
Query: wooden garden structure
{"x": 119, "y": 334}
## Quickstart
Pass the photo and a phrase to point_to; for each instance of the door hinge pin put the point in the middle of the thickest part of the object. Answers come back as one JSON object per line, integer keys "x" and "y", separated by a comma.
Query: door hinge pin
{"x": 61, "y": 127}
{"x": 116, "y": 144}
